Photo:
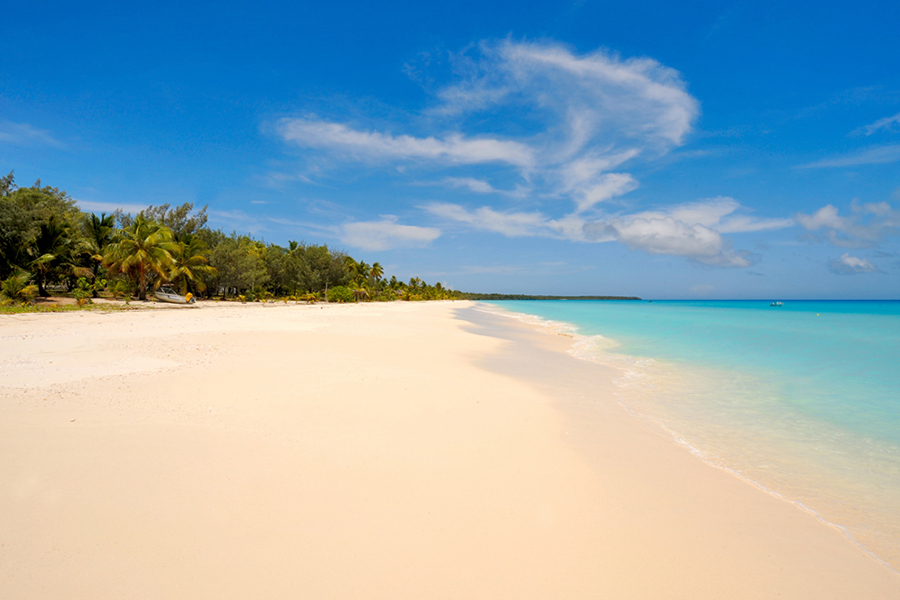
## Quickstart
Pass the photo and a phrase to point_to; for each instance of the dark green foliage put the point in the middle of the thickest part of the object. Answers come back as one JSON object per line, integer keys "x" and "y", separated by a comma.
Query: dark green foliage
{"x": 32, "y": 221}
{"x": 239, "y": 265}
{"x": 17, "y": 288}
{"x": 181, "y": 220}
{"x": 341, "y": 294}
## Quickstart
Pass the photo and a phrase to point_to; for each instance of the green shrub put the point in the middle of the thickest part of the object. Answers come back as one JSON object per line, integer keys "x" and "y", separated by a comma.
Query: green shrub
{"x": 340, "y": 294}
{"x": 17, "y": 288}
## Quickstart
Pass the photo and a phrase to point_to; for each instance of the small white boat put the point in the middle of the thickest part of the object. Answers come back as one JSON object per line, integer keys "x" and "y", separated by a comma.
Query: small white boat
{"x": 167, "y": 294}
{"x": 777, "y": 304}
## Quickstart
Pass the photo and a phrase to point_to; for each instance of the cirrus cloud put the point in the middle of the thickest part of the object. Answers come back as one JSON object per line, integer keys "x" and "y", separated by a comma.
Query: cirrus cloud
{"x": 887, "y": 123}
{"x": 24, "y": 134}
{"x": 876, "y": 155}
{"x": 579, "y": 119}
{"x": 373, "y": 145}
{"x": 539, "y": 123}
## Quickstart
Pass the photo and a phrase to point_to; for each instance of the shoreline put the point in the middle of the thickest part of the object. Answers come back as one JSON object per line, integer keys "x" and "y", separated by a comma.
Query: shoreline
{"x": 580, "y": 349}
{"x": 398, "y": 450}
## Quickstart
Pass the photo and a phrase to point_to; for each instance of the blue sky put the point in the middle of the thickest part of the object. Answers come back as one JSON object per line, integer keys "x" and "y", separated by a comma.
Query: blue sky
{"x": 666, "y": 150}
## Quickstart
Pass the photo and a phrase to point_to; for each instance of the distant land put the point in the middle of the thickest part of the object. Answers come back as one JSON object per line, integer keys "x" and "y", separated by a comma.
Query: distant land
{"x": 469, "y": 296}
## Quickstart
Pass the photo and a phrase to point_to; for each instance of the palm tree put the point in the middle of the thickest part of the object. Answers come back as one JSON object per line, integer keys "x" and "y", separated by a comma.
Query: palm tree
{"x": 99, "y": 234}
{"x": 54, "y": 253}
{"x": 144, "y": 248}
{"x": 190, "y": 265}
{"x": 359, "y": 271}
{"x": 360, "y": 289}
{"x": 17, "y": 287}
{"x": 362, "y": 271}
{"x": 377, "y": 270}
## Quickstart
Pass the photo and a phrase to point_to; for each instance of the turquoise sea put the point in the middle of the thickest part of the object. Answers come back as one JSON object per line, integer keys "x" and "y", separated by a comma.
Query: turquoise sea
{"x": 802, "y": 400}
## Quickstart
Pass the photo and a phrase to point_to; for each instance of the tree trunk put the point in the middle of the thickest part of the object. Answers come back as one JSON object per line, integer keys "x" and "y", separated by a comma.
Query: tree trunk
{"x": 142, "y": 290}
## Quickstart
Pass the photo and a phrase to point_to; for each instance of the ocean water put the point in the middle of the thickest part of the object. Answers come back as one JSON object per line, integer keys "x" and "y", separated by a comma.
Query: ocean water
{"x": 801, "y": 400}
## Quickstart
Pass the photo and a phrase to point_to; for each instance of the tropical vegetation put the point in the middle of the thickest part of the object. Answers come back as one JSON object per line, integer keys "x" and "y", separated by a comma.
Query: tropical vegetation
{"x": 48, "y": 244}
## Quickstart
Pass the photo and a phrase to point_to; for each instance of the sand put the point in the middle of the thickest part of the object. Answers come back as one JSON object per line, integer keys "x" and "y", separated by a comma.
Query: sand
{"x": 405, "y": 450}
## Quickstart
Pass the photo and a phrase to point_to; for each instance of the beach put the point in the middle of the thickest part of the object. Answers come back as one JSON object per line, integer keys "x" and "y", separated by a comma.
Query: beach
{"x": 396, "y": 450}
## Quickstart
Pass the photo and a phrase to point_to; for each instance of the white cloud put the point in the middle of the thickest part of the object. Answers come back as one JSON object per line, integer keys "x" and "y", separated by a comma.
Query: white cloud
{"x": 594, "y": 93}
{"x": 373, "y": 145}
{"x": 386, "y": 234}
{"x": 866, "y": 224}
{"x": 851, "y": 265}
{"x": 23, "y": 134}
{"x": 510, "y": 224}
{"x": 718, "y": 213}
{"x": 572, "y": 126}
{"x": 577, "y": 117}
{"x": 888, "y": 123}
{"x": 877, "y": 155}
{"x": 480, "y": 186}
{"x": 604, "y": 187}
{"x": 668, "y": 235}
{"x": 691, "y": 230}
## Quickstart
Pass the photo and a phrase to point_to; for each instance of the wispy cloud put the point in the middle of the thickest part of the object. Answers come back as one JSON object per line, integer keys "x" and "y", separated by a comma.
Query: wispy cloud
{"x": 569, "y": 127}
{"x": 23, "y": 134}
{"x": 585, "y": 117}
{"x": 480, "y": 186}
{"x": 887, "y": 123}
{"x": 870, "y": 156}
{"x": 693, "y": 230}
{"x": 376, "y": 146}
{"x": 386, "y": 234}
{"x": 851, "y": 265}
{"x": 648, "y": 99}
{"x": 510, "y": 224}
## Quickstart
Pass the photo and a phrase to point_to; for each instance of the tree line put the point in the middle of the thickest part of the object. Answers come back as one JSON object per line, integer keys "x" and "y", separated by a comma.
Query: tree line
{"x": 47, "y": 242}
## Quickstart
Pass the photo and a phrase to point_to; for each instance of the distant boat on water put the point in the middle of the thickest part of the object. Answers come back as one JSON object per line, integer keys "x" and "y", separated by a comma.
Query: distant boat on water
{"x": 777, "y": 304}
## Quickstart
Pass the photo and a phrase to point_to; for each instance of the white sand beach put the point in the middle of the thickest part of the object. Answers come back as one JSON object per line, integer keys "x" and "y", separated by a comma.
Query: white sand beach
{"x": 401, "y": 450}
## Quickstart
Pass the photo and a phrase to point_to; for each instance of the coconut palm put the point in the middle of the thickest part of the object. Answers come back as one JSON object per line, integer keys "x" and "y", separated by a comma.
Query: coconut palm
{"x": 189, "y": 265}
{"x": 377, "y": 271}
{"x": 362, "y": 271}
{"x": 144, "y": 248}
{"x": 17, "y": 287}
{"x": 54, "y": 254}
{"x": 360, "y": 289}
{"x": 98, "y": 231}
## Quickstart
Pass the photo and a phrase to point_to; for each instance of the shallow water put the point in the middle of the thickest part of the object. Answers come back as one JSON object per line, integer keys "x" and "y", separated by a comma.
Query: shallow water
{"x": 802, "y": 400}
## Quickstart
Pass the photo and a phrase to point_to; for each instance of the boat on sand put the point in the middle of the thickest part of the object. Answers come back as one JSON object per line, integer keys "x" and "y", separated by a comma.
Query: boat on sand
{"x": 167, "y": 294}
